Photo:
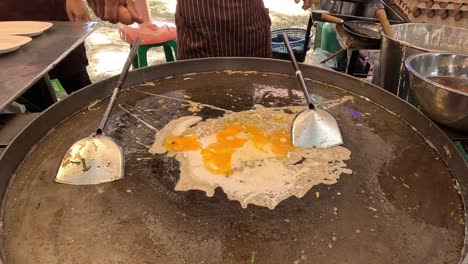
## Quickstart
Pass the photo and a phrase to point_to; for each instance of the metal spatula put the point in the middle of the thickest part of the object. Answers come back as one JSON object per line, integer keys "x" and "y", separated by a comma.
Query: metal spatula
{"x": 97, "y": 158}
{"x": 363, "y": 30}
{"x": 313, "y": 127}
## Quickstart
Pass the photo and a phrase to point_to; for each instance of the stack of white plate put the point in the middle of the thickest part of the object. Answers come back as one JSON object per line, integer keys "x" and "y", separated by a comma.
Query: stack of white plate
{"x": 14, "y": 34}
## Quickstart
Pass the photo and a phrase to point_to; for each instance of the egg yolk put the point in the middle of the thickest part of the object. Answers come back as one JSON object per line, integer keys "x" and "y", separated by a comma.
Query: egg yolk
{"x": 230, "y": 136}
{"x": 217, "y": 159}
{"x": 217, "y": 156}
{"x": 182, "y": 143}
{"x": 281, "y": 143}
{"x": 257, "y": 137}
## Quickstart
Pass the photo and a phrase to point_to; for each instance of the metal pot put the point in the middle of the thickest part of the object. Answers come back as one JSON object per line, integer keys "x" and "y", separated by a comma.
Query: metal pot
{"x": 339, "y": 7}
{"x": 442, "y": 104}
{"x": 410, "y": 39}
{"x": 363, "y": 10}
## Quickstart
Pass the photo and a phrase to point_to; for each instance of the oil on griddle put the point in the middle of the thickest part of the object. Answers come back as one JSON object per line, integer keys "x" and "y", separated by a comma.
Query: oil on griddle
{"x": 399, "y": 206}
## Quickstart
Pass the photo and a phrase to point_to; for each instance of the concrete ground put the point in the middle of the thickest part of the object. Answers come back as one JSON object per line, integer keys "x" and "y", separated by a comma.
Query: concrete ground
{"x": 107, "y": 53}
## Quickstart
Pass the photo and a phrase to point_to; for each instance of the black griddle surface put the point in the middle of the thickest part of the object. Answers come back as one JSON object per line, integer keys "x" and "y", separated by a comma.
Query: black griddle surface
{"x": 399, "y": 206}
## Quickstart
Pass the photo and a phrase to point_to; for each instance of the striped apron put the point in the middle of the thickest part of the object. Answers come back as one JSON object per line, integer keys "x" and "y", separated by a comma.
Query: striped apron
{"x": 222, "y": 28}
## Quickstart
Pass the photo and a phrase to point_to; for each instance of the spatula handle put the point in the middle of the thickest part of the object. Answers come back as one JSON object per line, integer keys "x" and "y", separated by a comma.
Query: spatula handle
{"x": 299, "y": 76}
{"x": 332, "y": 19}
{"x": 120, "y": 82}
{"x": 386, "y": 28}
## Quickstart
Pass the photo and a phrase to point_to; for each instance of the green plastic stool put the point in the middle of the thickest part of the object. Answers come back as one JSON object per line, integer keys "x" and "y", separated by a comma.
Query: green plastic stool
{"x": 141, "y": 60}
{"x": 58, "y": 89}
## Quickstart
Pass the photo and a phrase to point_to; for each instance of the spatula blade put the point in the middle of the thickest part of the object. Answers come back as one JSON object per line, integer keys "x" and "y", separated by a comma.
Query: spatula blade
{"x": 315, "y": 129}
{"x": 92, "y": 160}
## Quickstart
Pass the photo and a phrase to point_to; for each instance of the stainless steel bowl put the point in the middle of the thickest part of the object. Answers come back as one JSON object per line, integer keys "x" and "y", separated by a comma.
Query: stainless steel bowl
{"x": 410, "y": 39}
{"x": 441, "y": 103}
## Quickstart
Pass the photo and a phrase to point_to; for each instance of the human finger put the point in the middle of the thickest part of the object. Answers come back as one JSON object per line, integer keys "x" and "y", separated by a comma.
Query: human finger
{"x": 133, "y": 11}
{"x": 124, "y": 16}
{"x": 110, "y": 10}
{"x": 307, "y": 4}
{"x": 100, "y": 9}
{"x": 86, "y": 16}
{"x": 92, "y": 5}
{"x": 70, "y": 15}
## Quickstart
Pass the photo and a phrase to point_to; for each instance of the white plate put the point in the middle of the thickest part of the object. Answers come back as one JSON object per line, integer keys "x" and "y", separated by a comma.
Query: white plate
{"x": 11, "y": 43}
{"x": 23, "y": 28}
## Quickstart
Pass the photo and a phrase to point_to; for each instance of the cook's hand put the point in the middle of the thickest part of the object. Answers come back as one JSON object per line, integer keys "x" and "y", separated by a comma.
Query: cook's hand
{"x": 108, "y": 10}
{"x": 76, "y": 10}
{"x": 306, "y": 5}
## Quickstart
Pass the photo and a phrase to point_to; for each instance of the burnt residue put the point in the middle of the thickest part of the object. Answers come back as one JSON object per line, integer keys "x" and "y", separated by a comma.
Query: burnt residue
{"x": 399, "y": 205}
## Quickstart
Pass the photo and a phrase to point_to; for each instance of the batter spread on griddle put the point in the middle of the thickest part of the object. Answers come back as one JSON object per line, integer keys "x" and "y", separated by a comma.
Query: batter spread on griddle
{"x": 249, "y": 155}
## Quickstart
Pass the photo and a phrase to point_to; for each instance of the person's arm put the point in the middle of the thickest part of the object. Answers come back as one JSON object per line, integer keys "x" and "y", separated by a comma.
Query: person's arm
{"x": 76, "y": 10}
{"x": 115, "y": 11}
{"x": 306, "y": 5}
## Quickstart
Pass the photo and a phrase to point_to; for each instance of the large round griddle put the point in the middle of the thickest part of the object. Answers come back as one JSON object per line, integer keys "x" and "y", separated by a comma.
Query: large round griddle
{"x": 401, "y": 205}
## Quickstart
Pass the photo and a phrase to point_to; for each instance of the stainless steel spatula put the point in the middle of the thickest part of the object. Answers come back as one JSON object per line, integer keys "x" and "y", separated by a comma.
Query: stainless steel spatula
{"x": 312, "y": 127}
{"x": 97, "y": 158}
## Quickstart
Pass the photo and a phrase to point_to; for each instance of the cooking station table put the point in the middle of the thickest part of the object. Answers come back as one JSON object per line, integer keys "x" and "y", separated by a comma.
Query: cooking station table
{"x": 24, "y": 67}
{"x": 30, "y": 64}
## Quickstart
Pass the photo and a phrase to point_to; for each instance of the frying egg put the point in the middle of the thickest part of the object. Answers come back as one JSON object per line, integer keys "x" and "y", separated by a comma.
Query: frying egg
{"x": 232, "y": 136}
{"x": 217, "y": 156}
{"x": 281, "y": 143}
{"x": 182, "y": 143}
{"x": 217, "y": 159}
{"x": 249, "y": 155}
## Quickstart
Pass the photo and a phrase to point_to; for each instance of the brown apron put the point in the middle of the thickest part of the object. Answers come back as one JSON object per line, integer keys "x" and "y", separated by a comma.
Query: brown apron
{"x": 222, "y": 28}
{"x": 46, "y": 10}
